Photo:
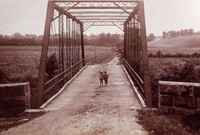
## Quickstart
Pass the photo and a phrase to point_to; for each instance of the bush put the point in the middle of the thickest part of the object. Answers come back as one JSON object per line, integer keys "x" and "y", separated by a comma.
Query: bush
{"x": 184, "y": 71}
{"x": 52, "y": 65}
{"x": 160, "y": 54}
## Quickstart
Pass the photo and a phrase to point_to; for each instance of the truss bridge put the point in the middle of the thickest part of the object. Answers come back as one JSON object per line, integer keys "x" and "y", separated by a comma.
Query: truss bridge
{"x": 63, "y": 54}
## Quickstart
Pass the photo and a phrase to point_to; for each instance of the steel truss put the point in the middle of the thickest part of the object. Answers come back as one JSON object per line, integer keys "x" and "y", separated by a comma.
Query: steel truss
{"x": 66, "y": 22}
{"x": 135, "y": 52}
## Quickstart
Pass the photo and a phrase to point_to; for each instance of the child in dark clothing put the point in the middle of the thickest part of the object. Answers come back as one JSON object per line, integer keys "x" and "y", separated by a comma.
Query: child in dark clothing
{"x": 105, "y": 77}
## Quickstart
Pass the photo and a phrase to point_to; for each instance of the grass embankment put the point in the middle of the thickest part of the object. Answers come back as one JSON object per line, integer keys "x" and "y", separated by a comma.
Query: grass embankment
{"x": 170, "y": 122}
{"x": 6, "y": 123}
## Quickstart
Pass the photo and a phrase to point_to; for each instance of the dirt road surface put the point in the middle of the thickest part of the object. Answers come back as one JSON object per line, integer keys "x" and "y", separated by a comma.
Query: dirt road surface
{"x": 85, "y": 108}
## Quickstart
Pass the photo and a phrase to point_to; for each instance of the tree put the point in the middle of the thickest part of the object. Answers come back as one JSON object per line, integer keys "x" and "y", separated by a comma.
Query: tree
{"x": 1, "y": 36}
{"x": 191, "y": 32}
{"x": 52, "y": 65}
{"x": 151, "y": 37}
{"x": 17, "y": 35}
{"x": 172, "y": 33}
{"x": 102, "y": 38}
{"x": 165, "y": 34}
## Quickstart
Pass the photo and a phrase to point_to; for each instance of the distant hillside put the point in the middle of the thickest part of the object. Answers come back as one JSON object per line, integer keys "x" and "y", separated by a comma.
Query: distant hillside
{"x": 177, "y": 42}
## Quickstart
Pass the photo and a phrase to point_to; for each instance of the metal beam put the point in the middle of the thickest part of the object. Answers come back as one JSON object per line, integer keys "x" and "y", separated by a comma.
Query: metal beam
{"x": 72, "y": 6}
{"x": 85, "y": 21}
{"x": 103, "y": 16}
{"x": 118, "y": 26}
{"x": 98, "y": 12}
{"x": 43, "y": 59}
{"x": 124, "y": 9}
{"x": 66, "y": 13}
{"x": 147, "y": 86}
{"x": 95, "y": 0}
{"x": 103, "y": 25}
{"x": 89, "y": 26}
{"x": 82, "y": 44}
{"x": 106, "y": 7}
{"x": 132, "y": 14}
{"x": 104, "y": 19}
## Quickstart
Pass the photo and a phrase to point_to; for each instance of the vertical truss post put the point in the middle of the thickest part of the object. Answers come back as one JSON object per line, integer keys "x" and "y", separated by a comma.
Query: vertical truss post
{"x": 135, "y": 42}
{"x": 147, "y": 86}
{"x": 72, "y": 45}
{"x": 127, "y": 47}
{"x": 82, "y": 44}
{"x": 42, "y": 68}
{"x": 61, "y": 44}
{"x": 125, "y": 40}
{"x": 68, "y": 41}
{"x": 132, "y": 42}
{"x": 129, "y": 42}
{"x": 79, "y": 42}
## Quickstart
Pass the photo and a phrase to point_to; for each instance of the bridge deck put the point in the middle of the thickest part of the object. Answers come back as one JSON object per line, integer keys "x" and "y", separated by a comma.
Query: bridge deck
{"x": 85, "y": 108}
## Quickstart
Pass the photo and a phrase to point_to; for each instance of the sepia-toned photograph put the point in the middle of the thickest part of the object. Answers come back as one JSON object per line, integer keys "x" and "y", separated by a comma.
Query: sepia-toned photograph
{"x": 99, "y": 67}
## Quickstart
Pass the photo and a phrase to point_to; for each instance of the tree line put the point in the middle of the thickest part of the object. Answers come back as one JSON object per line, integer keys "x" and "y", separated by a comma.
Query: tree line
{"x": 184, "y": 32}
{"x": 104, "y": 39}
{"x": 18, "y": 39}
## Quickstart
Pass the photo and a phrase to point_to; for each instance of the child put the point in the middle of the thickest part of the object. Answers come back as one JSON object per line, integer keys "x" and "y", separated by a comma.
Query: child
{"x": 101, "y": 78}
{"x": 105, "y": 77}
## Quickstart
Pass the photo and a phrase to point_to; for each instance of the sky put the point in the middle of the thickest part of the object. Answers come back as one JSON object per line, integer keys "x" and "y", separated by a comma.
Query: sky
{"x": 28, "y": 16}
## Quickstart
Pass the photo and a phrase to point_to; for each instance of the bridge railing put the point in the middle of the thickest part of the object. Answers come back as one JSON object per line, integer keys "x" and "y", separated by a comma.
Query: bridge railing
{"x": 56, "y": 83}
{"x": 135, "y": 77}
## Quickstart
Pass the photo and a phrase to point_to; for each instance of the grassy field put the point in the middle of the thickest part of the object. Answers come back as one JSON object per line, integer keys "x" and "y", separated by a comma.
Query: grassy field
{"x": 184, "y": 45}
{"x": 20, "y": 61}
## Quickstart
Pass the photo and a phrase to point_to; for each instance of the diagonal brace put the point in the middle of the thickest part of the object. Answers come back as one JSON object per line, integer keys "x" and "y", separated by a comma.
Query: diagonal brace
{"x": 121, "y": 8}
{"x": 118, "y": 26}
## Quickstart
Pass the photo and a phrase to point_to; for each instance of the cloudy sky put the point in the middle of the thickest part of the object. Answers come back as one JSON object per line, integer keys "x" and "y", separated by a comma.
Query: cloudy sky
{"x": 28, "y": 16}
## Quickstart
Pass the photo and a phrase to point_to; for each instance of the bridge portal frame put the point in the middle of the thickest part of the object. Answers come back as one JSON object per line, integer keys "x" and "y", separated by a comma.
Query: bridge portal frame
{"x": 88, "y": 13}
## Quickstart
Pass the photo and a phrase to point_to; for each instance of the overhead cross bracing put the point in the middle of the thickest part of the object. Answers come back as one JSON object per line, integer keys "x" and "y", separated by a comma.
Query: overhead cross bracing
{"x": 97, "y": 13}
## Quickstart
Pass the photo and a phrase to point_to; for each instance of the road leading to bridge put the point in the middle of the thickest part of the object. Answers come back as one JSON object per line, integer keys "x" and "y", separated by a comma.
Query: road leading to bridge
{"x": 85, "y": 108}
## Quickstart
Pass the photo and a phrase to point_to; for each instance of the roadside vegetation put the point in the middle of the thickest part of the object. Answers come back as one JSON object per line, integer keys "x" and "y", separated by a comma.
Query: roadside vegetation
{"x": 172, "y": 59}
{"x": 170, "y": 122}
{"x": 9, "y": 121}
{"x": 173, "y": 69}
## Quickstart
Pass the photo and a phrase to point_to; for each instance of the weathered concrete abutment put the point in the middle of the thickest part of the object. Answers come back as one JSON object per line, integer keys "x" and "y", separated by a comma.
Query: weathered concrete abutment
{"x": 15, "y": 97}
